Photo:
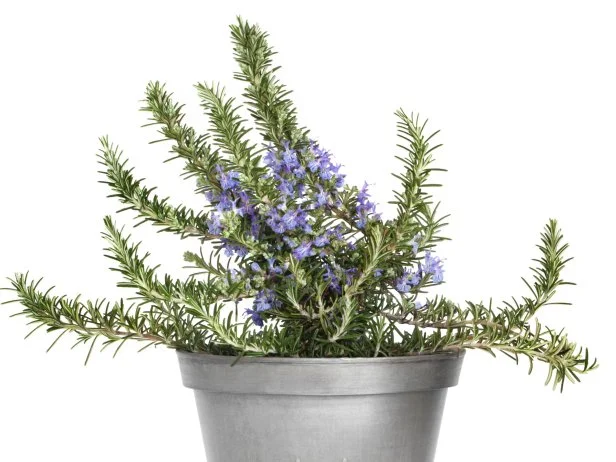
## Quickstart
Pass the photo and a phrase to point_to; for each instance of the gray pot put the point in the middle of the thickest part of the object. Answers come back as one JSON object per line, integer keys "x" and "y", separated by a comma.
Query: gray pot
{"x": 321, "y": 409}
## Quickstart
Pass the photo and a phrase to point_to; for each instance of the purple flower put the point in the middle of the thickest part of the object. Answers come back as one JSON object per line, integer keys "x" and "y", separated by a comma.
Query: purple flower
{"x": 246, "y": 207}
{"x": 265, "y": 300}
{"x": 244, "y": 198}
{"x": 434, "y": 266}
{"x": 211, "y": 196}
{"x": 362, "y": 221}
{"x": 321, "y": 241}
{"x": 302, "y": 217}
{"x": 363, "y": 194}
{"x": 326, "y": 173}
{"x": 322, "y": 197}
{"x": 290, "y": 220}
{"x": 300, "y": 172}
{"x": 335, "y": 233}
{"x": 274, "y": 221}
{"x": 237, "y": 210}
{"x": 287, "y": 187}
{"x": 350, "y": 273}
{"x": 228, "y": 180}
{"x": 255, "y": 267}
{"x": 273, "y": 268}
{"x": 214, "y": 225}
{"x": 234, "y": 249}
{"x": 262, "y": 304}
{"x": 313, "y": 165}
{"x": 403, "y": 285}
{"x": 378, "y": 273}
{"x": 407, "y": 281}
{"x": 271, "y": 159}
{"x": 289, "y": 159}
{"x": 303, "y": 250}
{"x": 330, "y": 276}
{"x": 340, "y": 181}
{"x": 255, "y": 227}
{"x": 256, "y": 317}
{"x": 365, "y": 209}
{"x": 225, "y": 203}
{"x": 277, "y": 226}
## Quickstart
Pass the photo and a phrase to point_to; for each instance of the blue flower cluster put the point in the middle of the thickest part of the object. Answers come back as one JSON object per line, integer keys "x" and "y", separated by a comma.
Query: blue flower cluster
{"x": 306, "y": 176}
{"x": 335, "y": 275}
{"x": 432, "y": 266}
{"x": 407, "y": 281}
{"x": 303, "y": 185}
{"x": 265, "y": 300}
{"x": 233, "y": 201}
{"x": 365, "y": 209}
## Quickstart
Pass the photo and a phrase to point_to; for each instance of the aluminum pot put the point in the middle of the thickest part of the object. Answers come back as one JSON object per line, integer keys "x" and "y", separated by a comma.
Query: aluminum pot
{"x": 320, "y": 409}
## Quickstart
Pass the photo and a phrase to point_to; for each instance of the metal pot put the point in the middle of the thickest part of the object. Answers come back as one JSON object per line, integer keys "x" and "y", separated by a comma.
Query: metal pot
{"x": 320, "y": 409}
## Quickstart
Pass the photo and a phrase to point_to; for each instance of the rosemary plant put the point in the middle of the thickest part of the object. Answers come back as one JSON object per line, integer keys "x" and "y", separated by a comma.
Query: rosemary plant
{"x": 299, "y": 262}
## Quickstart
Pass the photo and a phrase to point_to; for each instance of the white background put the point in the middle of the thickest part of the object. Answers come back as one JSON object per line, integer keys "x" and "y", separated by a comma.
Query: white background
{"x": 523, "y": 93}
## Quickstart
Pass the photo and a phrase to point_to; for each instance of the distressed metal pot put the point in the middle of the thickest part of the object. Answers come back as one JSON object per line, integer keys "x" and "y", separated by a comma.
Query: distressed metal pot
{"x": 321, "y": 409}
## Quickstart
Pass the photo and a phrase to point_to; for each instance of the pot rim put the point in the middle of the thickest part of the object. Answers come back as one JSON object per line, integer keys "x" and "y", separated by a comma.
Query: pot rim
{"x": 415, "y": 357}
{"x": 319, "y": 376}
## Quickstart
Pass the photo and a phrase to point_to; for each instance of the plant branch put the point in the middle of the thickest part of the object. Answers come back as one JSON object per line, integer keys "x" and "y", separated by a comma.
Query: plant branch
{"x": 200, "y": 159}
{"x": 267, "y": 98}
{"x": 149, "y": 207}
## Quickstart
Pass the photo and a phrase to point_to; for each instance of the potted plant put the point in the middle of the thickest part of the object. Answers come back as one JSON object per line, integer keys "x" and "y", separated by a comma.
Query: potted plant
{"x": 306, "y": 330}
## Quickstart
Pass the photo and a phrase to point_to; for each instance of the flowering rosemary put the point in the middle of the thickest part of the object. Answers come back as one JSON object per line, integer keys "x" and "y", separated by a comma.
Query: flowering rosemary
{"x": 315, "y": 269}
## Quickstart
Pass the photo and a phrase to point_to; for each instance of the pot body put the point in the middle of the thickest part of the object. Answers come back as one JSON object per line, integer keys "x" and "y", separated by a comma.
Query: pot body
{"x": 321, "y": 409}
